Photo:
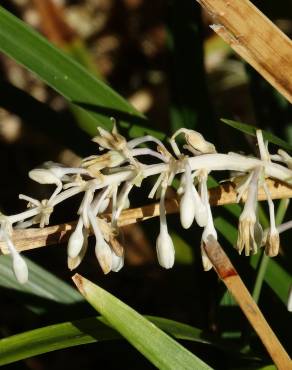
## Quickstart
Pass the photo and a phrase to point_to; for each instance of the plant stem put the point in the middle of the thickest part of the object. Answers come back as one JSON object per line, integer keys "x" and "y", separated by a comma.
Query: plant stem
{"x": 236, "y": 287}
{"x": 248, "y": 31}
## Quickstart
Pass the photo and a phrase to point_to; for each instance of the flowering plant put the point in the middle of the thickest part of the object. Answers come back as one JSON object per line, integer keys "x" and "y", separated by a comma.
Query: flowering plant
{"x": 110, "y": 176}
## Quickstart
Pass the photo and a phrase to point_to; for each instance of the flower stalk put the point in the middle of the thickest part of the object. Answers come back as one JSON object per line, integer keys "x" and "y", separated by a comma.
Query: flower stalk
{"x": 112, "y": 175}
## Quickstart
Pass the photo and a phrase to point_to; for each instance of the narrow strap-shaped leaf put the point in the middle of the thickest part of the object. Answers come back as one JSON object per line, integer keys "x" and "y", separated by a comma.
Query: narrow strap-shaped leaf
{"x": 69, "y": 334}
{"x": 251, "y": 130}
{"x": 62, "y": 73}
{"x": 42, "y": 289}
{"x": 162, "y": 350}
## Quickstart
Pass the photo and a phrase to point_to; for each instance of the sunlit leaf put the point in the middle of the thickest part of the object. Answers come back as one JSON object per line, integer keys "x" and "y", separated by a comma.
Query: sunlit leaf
{"x": 89, "y": 330}
{"x": 163, "y": 351}
{"x": 63, "y": 74}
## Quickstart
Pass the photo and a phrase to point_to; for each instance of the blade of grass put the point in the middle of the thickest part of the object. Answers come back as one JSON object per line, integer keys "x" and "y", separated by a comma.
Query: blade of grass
{"x": 89, "y": 330}
{"x": 251, "y": 130}
{"x": 63, "y": 74}
{"x": 41, "y": 284}
{"x": 160, "y": 349}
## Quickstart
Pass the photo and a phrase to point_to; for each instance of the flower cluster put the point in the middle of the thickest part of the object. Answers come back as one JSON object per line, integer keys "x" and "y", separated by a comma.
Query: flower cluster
{"x": 108, "y": 178}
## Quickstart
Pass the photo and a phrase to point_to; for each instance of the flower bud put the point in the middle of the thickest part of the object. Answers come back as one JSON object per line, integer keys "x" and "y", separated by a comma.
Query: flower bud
{"x": 207, "y": 264}
{"x": 197, "y": 141}
{"x": 116, "y": 246}
{"x": 19, "y": 268}
{"x": 187, "y": 208}
{"x": 187, "y": 203}
{"x": 165, "y": 249}
{"x": 43, "y": 176}
{"x": 103, "y": 254}
{"x": 272, "y": 243}
{"x": 75, "y": 242}
{"x": 117, "y": 262}
{"x": 73, "y": 263}
{"x": 201, "y": 215}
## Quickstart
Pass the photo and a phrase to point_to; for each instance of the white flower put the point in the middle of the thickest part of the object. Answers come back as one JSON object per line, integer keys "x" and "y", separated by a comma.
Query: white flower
{"x": 196, "y": 142}
{"x": 286, "y": 158}
{"x": 112, "y": 141}
{"x": 20, "y": 268}
{"x": 18, "y": 263}
{"x": 272, "y": 243}
{"x": 111, "y": 176}
{"x": 76, "y": 240}
{"x": 95, "y": 163}
{"x": 209, "y": 231}
{"x": 165, "y": 249}
{"x": 191, "y": 205}
{"x": 104, "y": 255}
{"x": 188, "y": 200}
{"x": 73, "y": 263}
{"x": 247, "y": 236}
{"x": 273, "y": 238}
{"x": 164, "y": 245}
{"x": 117, "y": 262}
{"x": 207, "y": 264}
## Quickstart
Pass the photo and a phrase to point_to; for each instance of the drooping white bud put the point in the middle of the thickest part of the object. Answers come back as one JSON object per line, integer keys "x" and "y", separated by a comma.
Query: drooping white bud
{"x": 117, "y": 262}
{"x": 187, "y": 210}
{"x": 103, "y": 254}
{"x": 201, "y": 214}
{"x": 19, "y": 268}
{"x": 43, "y": 176}
{"x": 187, "y": 203}
{"x": 165, "y": 249}
{"x": 207, "y": 264}
{"x": 73, "y": 263}
{"x": 18, "y": 263}
{"x": 191, "y": 205}
{"x": 76, "y": 240}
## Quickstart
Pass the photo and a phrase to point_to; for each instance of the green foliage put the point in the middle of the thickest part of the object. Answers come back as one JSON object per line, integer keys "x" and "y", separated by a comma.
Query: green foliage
{"x": 85, "y": 331}
{"x": 251, "y": 130}
{"x": 141, "y": 333}
{"x": 42, "y": 285}
{"x": 64, "y": 75}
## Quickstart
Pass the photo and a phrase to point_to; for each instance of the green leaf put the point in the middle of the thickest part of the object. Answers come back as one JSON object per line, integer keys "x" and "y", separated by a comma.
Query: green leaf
{"x": 226, "y": 229}
{"x": 278, "y": 279}
{"x": 163, "y": 351}
{"x": 42, "y": 284}
{"x": 183, "y": 251}
{"x": 89, "y": 330}
{"x": 251, "y": 130}
{"x": 63, "y": 74}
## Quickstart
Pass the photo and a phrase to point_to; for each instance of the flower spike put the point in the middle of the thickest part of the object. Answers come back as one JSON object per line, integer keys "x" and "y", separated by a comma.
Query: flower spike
{"x": 106, "y": 181}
